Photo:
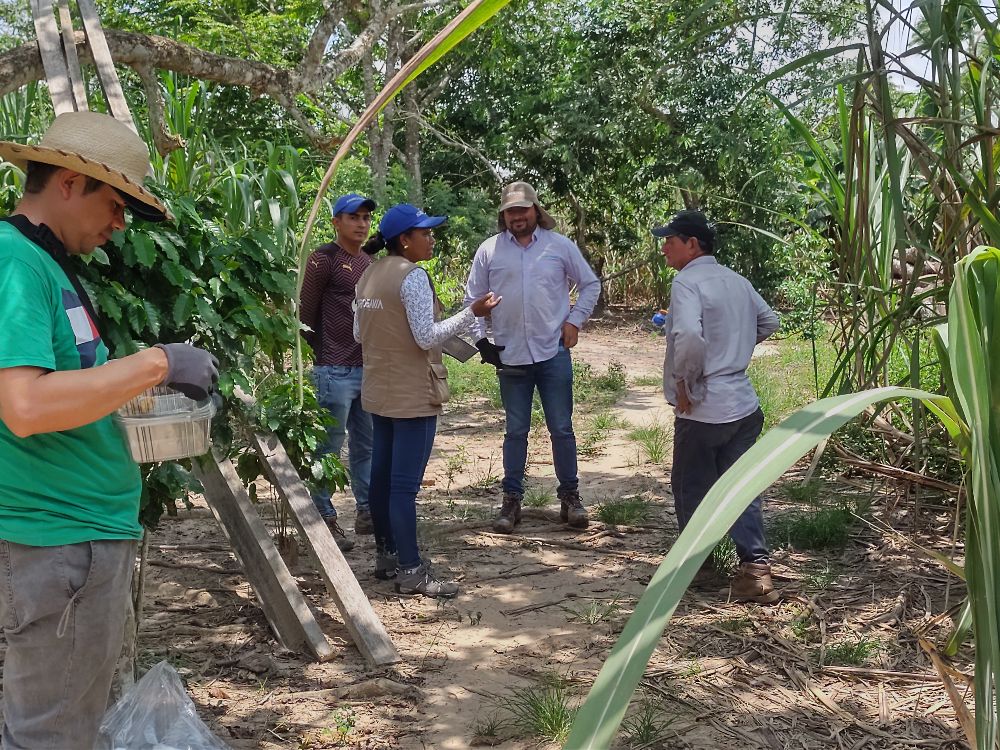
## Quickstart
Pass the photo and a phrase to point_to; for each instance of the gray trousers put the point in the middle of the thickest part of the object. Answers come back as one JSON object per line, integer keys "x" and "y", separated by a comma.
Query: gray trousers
{"x": 63, "y": 615}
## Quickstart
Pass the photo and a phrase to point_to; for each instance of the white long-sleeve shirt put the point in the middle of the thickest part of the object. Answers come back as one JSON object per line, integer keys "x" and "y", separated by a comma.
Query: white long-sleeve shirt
{"x": 418, "y": 300}
{"x": 534, "y": 282}
{"x": 716, "y": 318}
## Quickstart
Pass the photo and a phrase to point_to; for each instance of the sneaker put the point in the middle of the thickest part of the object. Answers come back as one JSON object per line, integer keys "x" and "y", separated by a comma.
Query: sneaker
{"x": 510, "y": 513}
{"x": 753, "y": 584}
{"x": 420, "y": 580}
{"x": 363, "y": 523}
{"x": 707, "y": 576}
{"x": 345, "y": 544}
{"x": 385, "y": 565}
{"x": 571, "y": 510}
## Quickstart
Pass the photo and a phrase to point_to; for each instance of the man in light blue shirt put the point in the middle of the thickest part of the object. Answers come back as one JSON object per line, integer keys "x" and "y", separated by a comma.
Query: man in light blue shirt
{"x": 716, "y": 318}
{"x": 533, "y": 268}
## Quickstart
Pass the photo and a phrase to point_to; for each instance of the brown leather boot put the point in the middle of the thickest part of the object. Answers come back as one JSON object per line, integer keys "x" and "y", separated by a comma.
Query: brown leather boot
{"x": 510, "y": 514}
{"x": 571, "y": 510}
{"x": 753, "y": 584}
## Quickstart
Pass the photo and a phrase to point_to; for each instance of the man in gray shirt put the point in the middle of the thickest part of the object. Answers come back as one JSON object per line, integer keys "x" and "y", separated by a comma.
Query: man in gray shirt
{"x": 716, "y": 318}
{"x": 533, "y": 269}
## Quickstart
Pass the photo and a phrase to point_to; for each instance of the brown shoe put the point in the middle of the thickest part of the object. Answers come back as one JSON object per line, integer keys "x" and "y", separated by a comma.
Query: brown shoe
{"x": 571, "y": 510}
{"x": 345, "y": 544}
{"x": 363, "y": 523}
{"x": 707, "y": 576}
{"x": 510, "y": 514}
{"x": 753, "y": 584}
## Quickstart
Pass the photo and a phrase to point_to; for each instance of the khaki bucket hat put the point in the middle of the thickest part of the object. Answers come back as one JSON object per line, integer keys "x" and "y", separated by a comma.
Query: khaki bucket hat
{"x": 522, "y": 195}
{"x": 99, "y": 146}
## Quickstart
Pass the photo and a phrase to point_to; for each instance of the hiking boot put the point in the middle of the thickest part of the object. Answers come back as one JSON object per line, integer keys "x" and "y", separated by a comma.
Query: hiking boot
{"x": 420, "y": 580}
{"x": 385, "y": 565}
{"x": 510, "y": 513}
{"x": 707, "y": 576}
{"x": 345, "y": 544}
{"x": 753, "y": 584}
{"x": 571, "y": 510}
{"x": 363, "y": 523}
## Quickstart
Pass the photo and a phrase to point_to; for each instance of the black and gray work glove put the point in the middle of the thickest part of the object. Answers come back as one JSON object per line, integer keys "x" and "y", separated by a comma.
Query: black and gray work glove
{"x": 190, "y": 370}
{"x": 490, "y": 352}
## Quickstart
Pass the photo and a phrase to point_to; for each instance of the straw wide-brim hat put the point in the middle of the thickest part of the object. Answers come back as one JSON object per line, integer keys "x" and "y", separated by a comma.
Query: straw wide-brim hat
{"x": 522, "y": 195}
{"x": 99, "y": 146}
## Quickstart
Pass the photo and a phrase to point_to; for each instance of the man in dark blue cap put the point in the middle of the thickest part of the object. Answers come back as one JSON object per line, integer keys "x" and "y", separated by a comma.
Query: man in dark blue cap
{"x": 332, "y": 273}
{"x": 716, "y": 318}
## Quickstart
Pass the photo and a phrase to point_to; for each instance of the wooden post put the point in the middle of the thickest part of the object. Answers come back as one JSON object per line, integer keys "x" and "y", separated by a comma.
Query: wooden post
{"x": 284, "y": 606}
{"x": 52, "y": 57}
{"x": 356, "y": 611}
{"x": 106, "y": 72}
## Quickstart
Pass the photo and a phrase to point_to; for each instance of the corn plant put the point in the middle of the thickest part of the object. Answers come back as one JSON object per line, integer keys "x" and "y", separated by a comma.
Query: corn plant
{"x": 971, "y": 347}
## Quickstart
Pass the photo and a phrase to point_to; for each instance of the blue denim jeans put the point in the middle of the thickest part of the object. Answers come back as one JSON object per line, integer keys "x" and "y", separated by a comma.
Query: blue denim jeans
{"x": 704, "y": 452}
{"x": 554, "y": 381}
{"x": 401, "y": 450}
{"x": 339, "y": 392}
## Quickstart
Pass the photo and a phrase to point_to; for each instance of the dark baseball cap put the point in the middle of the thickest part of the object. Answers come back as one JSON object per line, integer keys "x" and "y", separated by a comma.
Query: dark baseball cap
{"x": 351, "y": 202}
{"x": 690, "y": 224}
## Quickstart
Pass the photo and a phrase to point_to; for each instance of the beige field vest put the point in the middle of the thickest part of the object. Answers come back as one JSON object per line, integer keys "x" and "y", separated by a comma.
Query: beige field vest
{"x": 400, "y": 379}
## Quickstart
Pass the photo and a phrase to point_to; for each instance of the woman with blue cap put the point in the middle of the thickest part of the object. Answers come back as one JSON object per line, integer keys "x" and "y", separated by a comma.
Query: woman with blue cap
{"x": 404, "y": 386}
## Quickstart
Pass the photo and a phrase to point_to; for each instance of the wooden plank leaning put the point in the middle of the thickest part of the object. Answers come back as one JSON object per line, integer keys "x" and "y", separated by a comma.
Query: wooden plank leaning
{"x": 284, "y": 606}
{"x": 366, "y": 630}
{"x": 52, "y": 57}
{"x": 106, "y": 72}
{"x": 72, "y": 59}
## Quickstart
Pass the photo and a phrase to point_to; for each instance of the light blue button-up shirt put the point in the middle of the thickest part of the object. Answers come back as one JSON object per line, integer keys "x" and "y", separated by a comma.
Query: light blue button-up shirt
{"x": 716, "y": 318}
{"x": 535, "y": 283}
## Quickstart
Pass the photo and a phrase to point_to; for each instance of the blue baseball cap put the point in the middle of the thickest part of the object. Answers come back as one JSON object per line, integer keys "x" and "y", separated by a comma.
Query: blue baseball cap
{"x": 352, "y": 202}
{"x": 403, "y": 217}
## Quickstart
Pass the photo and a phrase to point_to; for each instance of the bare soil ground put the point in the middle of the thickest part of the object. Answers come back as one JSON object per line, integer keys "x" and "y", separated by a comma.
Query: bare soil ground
{"x": 725, "y": 675}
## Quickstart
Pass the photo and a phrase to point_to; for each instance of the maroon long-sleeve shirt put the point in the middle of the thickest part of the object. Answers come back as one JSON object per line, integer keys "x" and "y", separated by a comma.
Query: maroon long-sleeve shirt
{"x": 327, "y": 295}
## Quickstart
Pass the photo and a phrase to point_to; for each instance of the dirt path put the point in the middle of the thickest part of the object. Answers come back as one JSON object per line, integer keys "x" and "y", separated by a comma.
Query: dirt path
{"x": 543, "y": 607}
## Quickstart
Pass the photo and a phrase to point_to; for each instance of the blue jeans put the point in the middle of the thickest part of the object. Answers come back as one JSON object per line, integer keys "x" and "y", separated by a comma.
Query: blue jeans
{"x": 554, "y": 380}
{"x": 339, "y": 392}
{"x": 704, "y": 452}
{"x": 401, "y": 450}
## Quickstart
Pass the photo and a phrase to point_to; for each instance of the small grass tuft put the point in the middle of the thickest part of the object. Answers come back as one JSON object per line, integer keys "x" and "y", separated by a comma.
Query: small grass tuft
{"x": 737, "y": 625}
{"x": 598, "y": 390}
{"x": 648, "y": 380}
{"x": 646, "y": 727}
{"x": 852, "y": 654}
{"x": 824, "y": 528}
{"x": 595, "y": 611}
{"x": 542, "y": 711}
{"x": 537, "y": 497}
{"x": 807, "y": 493}
{"x": 724, "y": 557}
{"x": 653, "y": 440}
{"x": 624, "y": 510}
{"x": 487, "y": 729}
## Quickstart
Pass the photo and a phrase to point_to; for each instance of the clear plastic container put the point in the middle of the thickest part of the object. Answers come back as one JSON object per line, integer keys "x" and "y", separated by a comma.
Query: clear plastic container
{"x": 162, "y": 424}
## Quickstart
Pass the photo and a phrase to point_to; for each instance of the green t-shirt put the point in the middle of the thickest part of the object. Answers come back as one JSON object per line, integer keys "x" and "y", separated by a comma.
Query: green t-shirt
{"x": 60, "y": 487}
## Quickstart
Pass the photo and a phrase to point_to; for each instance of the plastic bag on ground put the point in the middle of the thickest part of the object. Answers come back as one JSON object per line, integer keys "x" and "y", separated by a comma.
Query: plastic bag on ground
{"x": 156, "y": 714}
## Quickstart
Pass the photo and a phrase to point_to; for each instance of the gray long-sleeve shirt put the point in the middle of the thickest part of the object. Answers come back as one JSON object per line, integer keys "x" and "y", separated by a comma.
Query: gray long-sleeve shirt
{"x": 716, "y": 318}
{"x": 535, "y": 283}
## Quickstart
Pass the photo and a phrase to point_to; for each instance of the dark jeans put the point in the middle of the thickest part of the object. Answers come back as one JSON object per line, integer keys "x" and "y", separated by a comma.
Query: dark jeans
{"x": 702, "y": 453}
{"x": 400, "y": 452}
{"x": 554, "y": 380}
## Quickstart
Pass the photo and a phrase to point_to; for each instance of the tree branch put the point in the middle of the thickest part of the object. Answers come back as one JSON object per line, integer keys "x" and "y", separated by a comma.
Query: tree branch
{"x": 163, "y": 139}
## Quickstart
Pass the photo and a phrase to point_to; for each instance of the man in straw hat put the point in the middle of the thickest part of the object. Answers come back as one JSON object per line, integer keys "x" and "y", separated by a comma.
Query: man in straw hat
{"x": 533, "y": 268}
{"x": 69, "y": 491}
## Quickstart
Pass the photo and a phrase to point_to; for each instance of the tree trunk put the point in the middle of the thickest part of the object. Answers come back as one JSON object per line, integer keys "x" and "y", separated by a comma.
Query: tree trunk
{"x": 412, "y": 148}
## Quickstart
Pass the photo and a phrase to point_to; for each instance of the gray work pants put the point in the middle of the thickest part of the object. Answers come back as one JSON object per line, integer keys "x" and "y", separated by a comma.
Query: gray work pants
{"x": 63, "y": 614}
